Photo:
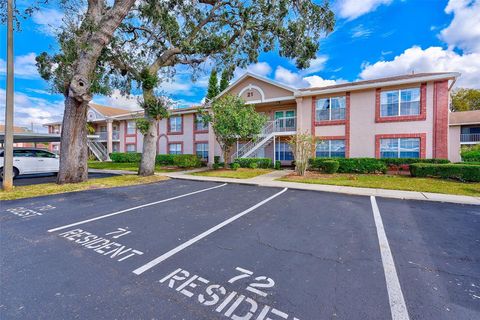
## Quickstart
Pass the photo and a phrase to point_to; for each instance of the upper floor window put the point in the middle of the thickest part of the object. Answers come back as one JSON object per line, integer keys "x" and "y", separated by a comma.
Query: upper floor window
{"x": 404, "y": 102}
{"x": 332, "y": 108}
{"x": 131, "y": 127}
{"x": 199, "y": 124}
{"x": 400, "y": 148}
{"x": 175, "y": 124}
{"x": 331, "y": 149}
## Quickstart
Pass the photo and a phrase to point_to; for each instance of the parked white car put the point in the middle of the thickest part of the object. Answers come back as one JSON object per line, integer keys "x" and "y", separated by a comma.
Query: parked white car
{"x": 31, "y": 161}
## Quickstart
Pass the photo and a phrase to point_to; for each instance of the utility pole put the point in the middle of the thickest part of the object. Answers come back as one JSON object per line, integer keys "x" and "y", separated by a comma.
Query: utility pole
{"x": 8, "y": 142}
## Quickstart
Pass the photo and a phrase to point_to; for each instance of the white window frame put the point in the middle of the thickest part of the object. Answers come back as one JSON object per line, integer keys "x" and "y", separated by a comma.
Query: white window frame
{"x": 206, "y": 148}
{"x": 330, "y": 108}
{"x": 329, "y": 142}
{"x": 175, "y": 143}
{"x": 131, "y": 125}
{"x": 399, "y": 146}
{"x": 174, "y": 127}
{"x": 204, "y": 127}
{"x": 399, "y": 107}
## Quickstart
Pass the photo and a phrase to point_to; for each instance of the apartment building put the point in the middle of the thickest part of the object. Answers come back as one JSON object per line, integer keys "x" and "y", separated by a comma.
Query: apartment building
{"x": 402, "y": 116}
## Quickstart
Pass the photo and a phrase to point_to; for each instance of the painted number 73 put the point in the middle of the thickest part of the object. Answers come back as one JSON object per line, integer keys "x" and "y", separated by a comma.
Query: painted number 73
{"x": 260, "y": 282}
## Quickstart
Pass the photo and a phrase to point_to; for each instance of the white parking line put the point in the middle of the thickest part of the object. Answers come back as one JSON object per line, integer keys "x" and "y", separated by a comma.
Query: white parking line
{"x": 395, "y": 296}
{"x": 188, "y": 243}
{"x": 134, "y": 208}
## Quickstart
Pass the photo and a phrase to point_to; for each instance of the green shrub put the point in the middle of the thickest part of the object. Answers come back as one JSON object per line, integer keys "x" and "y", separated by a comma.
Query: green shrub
{"x": 216, "y": 159}
{"x": 263, "y": 163}
{"x": 352, "y": 165}
{"x": 278, "y": 165}
{"x": 126, "y": 157}
{"x": 187, "y": 161}
{"x": 253, "y": 165}
{"x": 164, "y": 159}
{"x": 234, "y": 166}
{"x": 330, "y": 166}
{"x": 471, "y": 154}
{"x": 216, "y": 166}
{"x": 406, "y": 161}
{"x": 462, "y": 172}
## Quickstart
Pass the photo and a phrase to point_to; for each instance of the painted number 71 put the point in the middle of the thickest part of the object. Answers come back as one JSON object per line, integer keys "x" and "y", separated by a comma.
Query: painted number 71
{"x": 261, "y": 282}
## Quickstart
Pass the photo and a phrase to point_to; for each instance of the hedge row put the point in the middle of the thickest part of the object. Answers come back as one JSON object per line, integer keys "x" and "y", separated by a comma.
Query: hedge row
{"x": 471, "y": 154}
{"x": 351, "y": 165}
{"x": 263, "y": 163}
{"x": 179, "y": 160}
{"x": 462, "y": 172}
{"x": 406, "y": 161}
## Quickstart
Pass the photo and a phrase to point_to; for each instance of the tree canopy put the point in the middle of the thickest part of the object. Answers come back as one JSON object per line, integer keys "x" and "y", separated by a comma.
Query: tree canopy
{"x": 212, "y": 90}
{"x": 231, "y": 119}
{"x": 465, "y": 99}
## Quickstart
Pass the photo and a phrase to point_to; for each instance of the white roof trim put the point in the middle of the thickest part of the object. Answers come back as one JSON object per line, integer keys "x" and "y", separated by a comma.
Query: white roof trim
{"x": 380, "y": 84}
{"x": 258, "y": 77}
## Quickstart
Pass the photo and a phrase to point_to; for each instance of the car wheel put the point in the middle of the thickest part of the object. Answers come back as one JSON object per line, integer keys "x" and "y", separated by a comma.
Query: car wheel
{"x": 15, "y": 173}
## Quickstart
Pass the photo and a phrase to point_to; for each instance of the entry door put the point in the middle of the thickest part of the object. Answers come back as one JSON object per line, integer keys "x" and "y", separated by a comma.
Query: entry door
{"x": 287, "y": 118}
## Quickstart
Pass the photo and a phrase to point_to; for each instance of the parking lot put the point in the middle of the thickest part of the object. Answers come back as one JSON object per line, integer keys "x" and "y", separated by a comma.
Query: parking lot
{"x": 202, "y": 250}
{"x": 31, "y": 179}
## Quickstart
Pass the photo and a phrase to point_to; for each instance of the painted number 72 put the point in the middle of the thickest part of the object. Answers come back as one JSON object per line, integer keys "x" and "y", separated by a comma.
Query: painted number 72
{"x": 260, "y": 281}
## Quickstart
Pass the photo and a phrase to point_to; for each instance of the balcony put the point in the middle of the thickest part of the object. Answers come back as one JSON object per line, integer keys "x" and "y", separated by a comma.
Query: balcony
{"x": 102, "y": 136}
{"x": 470, "y": 138}
{"x": 287, "y": 124}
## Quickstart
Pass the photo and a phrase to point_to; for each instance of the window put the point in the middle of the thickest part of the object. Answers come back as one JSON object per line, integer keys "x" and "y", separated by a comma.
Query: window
{"x": 199, "y": 124}
{"x": 330, "y": 109}
{"x": 331, "y": 149}
{"x": 202, "y": 150}
{"x": 283, "y": 151}
{"x": 103, "y": 128}
{"x": 24, "y": 153}
{"x": 400, "y": 148}
{"x": 405, "y": 102}
{"x": 175, "y": 124}
{"x": 286, "y": 119}
{"x": 175, "y": 148}
{"x": 131, "y": 127}
{"x": 131, "y": 148}
{"x": 44, "y": 154}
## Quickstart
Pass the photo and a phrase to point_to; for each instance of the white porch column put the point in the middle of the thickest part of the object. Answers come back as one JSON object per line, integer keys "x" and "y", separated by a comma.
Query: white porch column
{"x": 109, "y": 136}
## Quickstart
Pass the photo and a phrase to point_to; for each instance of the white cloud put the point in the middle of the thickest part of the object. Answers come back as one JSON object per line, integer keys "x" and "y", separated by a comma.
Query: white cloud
{"x": 317, "y": 81}
{"x": 361, "y": 31}
{"x": 24, "y": 66}
{"x": 260, "y": 68}
{"x": 288, "y": 77}
{"x": 117, "y": 100}
{"x": 351, "y": 9}
{"x": 464, "y": 30}
{"x": 432, "y": 59}
{"x": 317, "y": 64}
{"x": 30, "y": 110}
{"x": 297, "y": 80}
{"x": 48, "y": 20}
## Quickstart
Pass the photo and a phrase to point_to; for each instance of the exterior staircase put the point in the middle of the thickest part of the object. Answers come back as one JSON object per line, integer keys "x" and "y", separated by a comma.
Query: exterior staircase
{"x": 281, "y": 126}
{"x": 98, "y": 149}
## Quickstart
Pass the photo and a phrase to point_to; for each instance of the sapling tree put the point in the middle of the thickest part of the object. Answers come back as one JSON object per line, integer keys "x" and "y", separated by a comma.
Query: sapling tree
{"x": 231, "y": 119}
{"x": 303, "y": 146}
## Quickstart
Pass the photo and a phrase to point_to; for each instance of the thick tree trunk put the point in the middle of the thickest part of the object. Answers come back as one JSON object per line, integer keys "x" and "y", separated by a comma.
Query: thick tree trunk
{"x": 73, "y": 151}
{"x": 149, "y": 151}
{"x": 73, "y": 147}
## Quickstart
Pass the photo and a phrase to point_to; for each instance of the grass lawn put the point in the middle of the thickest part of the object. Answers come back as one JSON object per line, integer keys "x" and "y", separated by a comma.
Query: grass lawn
{"x": 126, "y": 166}
{"x": 100, "y": 183}
{"x": 241, "y": 173}
{"x": 394, "y": 182}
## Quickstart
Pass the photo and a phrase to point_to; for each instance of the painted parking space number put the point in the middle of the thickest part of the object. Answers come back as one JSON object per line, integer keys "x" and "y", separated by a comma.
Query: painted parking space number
{"x": 23, "y": 212}
{"x": 227, "y": 302}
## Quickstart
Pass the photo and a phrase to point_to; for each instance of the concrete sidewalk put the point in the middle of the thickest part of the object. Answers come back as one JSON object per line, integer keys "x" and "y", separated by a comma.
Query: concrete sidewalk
{"x": 269, "y": 180}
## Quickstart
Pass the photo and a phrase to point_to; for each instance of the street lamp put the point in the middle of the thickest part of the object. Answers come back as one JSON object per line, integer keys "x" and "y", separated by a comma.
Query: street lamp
{"x": 8, "y": 142}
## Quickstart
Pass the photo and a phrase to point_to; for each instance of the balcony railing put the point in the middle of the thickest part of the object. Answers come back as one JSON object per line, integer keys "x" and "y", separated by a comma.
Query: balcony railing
{"x": 286, "y": 124}
{"x": 102, "y": 136}
{"x": 470, "y": 138}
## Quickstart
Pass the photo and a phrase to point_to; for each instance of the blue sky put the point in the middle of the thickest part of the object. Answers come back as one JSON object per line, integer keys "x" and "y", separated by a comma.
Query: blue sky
{"x": 372, "y": 39}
